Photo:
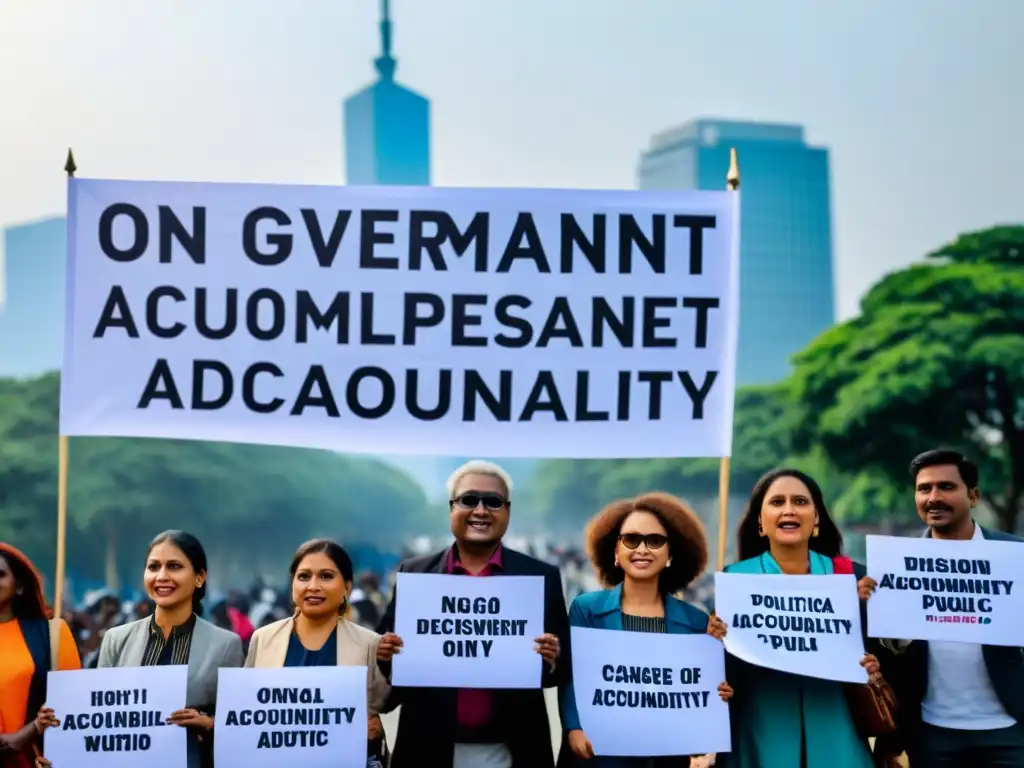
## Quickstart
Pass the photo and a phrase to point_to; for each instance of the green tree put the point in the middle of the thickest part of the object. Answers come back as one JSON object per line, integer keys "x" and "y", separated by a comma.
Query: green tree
{"x": 251, "y": 505}
{"x": 936, "y": 357}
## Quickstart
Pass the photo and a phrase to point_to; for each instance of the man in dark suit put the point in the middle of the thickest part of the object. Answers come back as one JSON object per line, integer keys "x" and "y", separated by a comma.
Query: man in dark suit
{"x": 479, "y": 728}
{"x": 959, "y": 704}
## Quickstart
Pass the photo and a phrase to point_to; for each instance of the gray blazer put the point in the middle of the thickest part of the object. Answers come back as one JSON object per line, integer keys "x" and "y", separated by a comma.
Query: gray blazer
{"x": 212, "y": 648}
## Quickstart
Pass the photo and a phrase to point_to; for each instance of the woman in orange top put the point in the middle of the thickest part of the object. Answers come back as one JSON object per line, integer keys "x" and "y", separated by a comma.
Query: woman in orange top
{"x": 25, "y": 650}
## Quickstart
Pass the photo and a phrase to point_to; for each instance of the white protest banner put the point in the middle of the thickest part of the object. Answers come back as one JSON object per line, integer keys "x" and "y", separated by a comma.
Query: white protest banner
{"x": 310, "y": 716}
{"x": 806, "y": 625}
{"x": 464, "y": 632}
{"x": 393, "y": 320}
{"x": 929, "y": 589}
{"x": 117, "y": 717}
{"x": 666, "y": 704}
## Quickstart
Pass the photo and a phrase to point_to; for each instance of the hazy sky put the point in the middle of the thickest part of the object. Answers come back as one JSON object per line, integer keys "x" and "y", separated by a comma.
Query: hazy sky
{"x": 918, "y": 101}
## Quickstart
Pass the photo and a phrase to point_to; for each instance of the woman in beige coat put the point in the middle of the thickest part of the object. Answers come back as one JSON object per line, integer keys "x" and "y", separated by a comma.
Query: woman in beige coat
{"x": 319, "y": 635}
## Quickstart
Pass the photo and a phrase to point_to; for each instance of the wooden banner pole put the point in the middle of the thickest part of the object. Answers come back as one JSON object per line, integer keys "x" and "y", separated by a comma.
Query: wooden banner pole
{"x": 62, "y": 485}
{"x": 732, "y": 183}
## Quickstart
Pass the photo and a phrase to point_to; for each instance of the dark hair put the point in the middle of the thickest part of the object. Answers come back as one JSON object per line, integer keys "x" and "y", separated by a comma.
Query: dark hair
{"x": 337, "y": 555}
{"x": 30, "y": 604}
{"x": 196, "y": 555}
{"x": 942, "y": 456}
{"x": 751, "y": 543}
{"x": 687, "y": 545}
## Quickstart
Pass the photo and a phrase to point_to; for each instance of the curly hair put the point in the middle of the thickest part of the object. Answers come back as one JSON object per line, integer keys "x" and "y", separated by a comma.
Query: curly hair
{"x": 750, "y": 543}
{"x": 30, "y": 603}
{"x": 687, "y": 544}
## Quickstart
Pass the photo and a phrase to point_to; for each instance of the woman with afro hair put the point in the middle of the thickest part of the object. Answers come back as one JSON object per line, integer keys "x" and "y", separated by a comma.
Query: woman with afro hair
{"x": 644, "y": 550}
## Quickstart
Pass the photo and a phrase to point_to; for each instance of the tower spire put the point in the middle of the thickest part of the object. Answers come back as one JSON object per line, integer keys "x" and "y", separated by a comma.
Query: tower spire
{"x": 385, "y": 63}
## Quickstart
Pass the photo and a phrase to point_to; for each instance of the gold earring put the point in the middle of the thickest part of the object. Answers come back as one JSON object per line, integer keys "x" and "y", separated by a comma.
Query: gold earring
{"x": 815, "y": 532}
{"x": 760, "y": 530}
{"x": 616, "y": 562}
{"x": 669, "y": 563}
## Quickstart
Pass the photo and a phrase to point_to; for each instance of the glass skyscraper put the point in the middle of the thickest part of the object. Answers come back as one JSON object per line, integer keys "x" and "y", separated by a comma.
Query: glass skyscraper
{"x": 786, "y": 276}
{"x": 32, "y": 311}
{"x": 387, "y": 141}
{"x": 387, "y": 126}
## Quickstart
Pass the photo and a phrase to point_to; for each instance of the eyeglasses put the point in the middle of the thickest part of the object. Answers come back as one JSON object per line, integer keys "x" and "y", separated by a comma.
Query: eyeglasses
{"x": 652, "y": 540}
{"x": 490, "y": 501}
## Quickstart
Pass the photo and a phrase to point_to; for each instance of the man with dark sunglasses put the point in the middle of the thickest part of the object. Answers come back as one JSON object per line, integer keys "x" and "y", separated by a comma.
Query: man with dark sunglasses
{"x": 479, "y": 728}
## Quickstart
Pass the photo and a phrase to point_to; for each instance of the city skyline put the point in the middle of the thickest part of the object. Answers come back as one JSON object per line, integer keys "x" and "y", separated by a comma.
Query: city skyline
{"x": 34, "y": 257}
{"x": 386, "y": 125}
{"x": 785, "y": 229}
{"x": 529, "y": 94}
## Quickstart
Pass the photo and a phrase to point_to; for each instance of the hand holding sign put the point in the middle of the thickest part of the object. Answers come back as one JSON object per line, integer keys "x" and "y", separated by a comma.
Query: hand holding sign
{"x": 549, "y": 648}
{"x": 390, "y": 644}
{"x": 717, "y": 628}
{"x": 872, "y": 667}
{"x": 45, "y": 719}
{"x": 191, "y": 718}
{"x": 866, "y": 588}
{"x": 580, "y": 745}
{"x": 20, "y": 739}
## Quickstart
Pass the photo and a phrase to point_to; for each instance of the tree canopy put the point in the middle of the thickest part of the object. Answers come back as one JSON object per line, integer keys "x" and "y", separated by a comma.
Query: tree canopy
{"x": 250, "y": 505}
{"x": 936, "y": 357}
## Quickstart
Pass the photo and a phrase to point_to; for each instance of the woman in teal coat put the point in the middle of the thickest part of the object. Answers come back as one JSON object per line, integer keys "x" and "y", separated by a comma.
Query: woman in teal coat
{"x": 644, "y": 549}
{"x": 781, "y": 720}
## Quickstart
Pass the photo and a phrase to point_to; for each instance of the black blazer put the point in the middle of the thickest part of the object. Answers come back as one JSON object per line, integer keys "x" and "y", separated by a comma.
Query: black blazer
{"x": 427, "y": 724}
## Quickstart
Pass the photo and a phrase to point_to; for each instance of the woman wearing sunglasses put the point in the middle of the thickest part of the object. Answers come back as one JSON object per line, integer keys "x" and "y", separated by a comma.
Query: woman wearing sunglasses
{"x": 644, "y": 550}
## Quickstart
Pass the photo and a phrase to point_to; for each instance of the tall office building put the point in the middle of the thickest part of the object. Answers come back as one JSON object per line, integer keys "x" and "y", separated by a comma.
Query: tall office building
{"x": 32, "y": 312}
{"x": 387, "y": 141}
{"x": 786, "y": 284}
{"x": 387, "y": 126}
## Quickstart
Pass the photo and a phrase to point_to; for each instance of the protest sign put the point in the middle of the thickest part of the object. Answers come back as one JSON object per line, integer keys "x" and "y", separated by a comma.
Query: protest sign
{"x": 310, "y": 716}
{"x": 644, "y": 694}
{"x": 929, "y": 589}
{"x": 403, "y": 320}
{"x": 806, "y": 625}
{"x": 461, "y": 632}
{"x": 117, "y": 717}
